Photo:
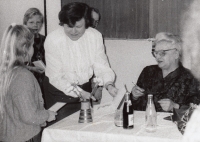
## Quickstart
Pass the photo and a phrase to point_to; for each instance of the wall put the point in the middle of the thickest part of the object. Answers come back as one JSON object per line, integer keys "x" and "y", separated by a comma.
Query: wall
{"x": 52, "y": 7}
{"x": 127, "y": 57}
{"x": 12, "y": 11}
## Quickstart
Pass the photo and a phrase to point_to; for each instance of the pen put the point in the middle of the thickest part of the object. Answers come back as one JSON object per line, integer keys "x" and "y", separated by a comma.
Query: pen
{"x": 126, "y": 88}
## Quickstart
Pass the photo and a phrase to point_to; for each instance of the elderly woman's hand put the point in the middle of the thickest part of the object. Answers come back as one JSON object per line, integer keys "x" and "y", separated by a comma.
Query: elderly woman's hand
{"x": 167, "y": 104}
{"x": 137, "y": 92}
{"x": 112, "y": 90}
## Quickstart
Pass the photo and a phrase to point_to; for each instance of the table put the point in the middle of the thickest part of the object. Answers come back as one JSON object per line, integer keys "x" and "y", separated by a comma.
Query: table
{"x": 102, "y": 129}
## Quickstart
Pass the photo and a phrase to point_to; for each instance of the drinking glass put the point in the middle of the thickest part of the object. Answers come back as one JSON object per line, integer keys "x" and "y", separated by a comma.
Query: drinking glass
{"x": 118, "y": 119}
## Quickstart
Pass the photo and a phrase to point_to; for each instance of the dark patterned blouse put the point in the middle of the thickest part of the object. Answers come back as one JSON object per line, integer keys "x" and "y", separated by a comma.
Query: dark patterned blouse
{"x": 180, "y": 86}
{"x": 39, "y": 55}
{"x": 38, "y": 48}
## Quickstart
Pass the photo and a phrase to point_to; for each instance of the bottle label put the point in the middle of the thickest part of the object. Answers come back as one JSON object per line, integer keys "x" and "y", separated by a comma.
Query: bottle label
{"x": 130, "y": 119}
{"x": 128, "y": 104}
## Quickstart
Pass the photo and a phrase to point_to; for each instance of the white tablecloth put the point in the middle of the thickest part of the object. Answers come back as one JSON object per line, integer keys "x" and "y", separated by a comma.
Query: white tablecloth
{"x": 103, "y": 129}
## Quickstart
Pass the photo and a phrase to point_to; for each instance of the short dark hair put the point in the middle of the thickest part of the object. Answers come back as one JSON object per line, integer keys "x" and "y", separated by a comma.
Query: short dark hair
{"x": 73, "y": 12}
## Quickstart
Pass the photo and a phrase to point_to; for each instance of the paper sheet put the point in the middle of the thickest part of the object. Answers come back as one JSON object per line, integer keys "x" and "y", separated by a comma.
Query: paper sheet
{"x": 39, "y": 64}
{"x": 57, "y": 106}
{"x": 109, "y": 107}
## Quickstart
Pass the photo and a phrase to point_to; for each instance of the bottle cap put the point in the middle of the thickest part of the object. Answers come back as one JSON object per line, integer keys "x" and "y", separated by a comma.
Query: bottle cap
{"x": 150, "y": 95}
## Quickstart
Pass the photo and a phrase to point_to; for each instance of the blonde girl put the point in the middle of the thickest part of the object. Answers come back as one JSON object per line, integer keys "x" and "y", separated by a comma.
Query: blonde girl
{"x": 21, "y": 105}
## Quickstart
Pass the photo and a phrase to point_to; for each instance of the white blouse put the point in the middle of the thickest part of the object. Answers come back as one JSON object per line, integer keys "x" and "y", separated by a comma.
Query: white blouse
{"x": 69, "y": 61}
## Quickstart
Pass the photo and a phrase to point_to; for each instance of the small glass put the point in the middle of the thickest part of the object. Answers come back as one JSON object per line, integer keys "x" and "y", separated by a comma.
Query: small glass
{"x": 118, "y": 119}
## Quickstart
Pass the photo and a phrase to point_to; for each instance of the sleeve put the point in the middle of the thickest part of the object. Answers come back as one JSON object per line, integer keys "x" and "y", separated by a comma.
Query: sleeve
{"x": 101, "y": 65}
{"x": 187, "y": 91}
{"x": 54, "y": 66}
{"x": 194, "y": 93}
{"x": 42, "y": 48}
{"x": 141, "y": 79}
{"x": 140, "y": 103}
{"x": 24, "y": 99}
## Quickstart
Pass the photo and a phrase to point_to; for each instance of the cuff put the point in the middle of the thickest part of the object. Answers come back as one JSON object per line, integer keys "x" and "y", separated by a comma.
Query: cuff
{"x": 107, "y": 84}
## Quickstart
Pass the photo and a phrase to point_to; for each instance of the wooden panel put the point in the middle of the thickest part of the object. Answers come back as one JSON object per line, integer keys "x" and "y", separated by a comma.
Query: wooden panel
{"x": 138, "y": 19}
{"x": 127, "y": 19}
{"x": 165, "y": 15}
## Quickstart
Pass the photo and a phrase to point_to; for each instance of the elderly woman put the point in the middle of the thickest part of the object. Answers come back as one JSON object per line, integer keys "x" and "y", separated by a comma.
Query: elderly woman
{"x": 171, "y": 84}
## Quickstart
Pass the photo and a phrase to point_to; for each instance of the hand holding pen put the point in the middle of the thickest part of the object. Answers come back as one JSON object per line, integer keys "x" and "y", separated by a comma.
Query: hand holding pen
{"x": 137, "y": 92}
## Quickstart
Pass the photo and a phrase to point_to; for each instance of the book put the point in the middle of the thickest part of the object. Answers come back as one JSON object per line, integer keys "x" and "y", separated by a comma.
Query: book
{"x": 57, "y": 106}
{"x": 40, "y": 64}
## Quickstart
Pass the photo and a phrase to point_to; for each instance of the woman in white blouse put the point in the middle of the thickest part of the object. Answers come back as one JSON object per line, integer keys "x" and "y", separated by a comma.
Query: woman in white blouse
{"x": 74, "y": 53}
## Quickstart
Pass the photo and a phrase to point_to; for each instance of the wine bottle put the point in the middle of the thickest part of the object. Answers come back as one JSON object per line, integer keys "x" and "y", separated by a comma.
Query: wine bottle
{"x": 127, "y": 112}
{"x": 150, "y": 116}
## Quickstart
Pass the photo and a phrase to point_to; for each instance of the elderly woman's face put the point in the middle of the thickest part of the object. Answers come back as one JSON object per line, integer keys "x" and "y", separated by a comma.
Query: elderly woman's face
{"x": 34, "y": 24}
{"x": 74, "y": 33}
{"x": 165, "y": 55}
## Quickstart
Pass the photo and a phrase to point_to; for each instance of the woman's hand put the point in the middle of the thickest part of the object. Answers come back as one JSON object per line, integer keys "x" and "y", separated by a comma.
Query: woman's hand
{"x": 85, "y": 95}
{"x": 112, "y": 90}
{"x": 52, "y": 116}
{"x": 98, "y": 93}
{"x": 137, "y": 92}
{"x": 167, "y": 104}
{"x": 44, "y": 124}
{"x": 37, "y": 69}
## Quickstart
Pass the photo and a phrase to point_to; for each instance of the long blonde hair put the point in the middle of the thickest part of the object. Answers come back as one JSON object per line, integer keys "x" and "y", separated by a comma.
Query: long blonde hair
{"x": 16, "y": 43}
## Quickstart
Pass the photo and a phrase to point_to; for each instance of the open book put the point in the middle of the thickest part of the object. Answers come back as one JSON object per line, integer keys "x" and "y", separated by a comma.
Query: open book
{"x": 40, "y": 64}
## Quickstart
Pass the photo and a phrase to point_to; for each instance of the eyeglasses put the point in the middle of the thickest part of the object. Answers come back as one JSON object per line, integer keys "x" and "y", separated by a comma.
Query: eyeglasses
{"x": 95, "y": 23}
{"x": 161, "y": 53}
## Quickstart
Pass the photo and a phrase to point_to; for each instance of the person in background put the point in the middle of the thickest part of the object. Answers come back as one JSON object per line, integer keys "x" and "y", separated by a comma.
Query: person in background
{"x": 33, "y": 19}
{"x": 21, "y": 104}
{"x": 74, "y": 53}
{"x": 95, "y": 17}
{"x": 171, "y": 84}
{"x": 191, "y": 59}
